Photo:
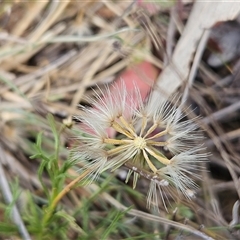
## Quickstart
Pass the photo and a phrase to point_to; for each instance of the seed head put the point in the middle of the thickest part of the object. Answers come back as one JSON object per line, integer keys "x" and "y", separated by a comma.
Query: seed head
{"x": 145, "y": 130}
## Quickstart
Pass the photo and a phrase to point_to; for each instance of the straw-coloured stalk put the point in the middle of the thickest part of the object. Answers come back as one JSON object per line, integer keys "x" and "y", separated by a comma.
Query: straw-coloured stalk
{"x": 147, "y": 132}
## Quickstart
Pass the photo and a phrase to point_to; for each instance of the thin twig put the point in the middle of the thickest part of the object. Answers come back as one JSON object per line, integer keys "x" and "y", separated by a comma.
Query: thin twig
{"x": 227, "y": 137}
{"x": 197, "y": 58}
{"x": 97, "y": 37}
{"x": 221, "y": 113}
{"x": 170, "y": 36}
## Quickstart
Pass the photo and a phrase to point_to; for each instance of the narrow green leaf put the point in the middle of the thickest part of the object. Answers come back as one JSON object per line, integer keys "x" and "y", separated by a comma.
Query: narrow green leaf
{"x": 40, "y": 173}
{"x": 114, "y": 223}
{"x": 7, "y": 228}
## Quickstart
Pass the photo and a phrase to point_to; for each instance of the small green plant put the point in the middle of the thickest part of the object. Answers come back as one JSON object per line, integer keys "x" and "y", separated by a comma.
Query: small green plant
{"x": 49, "y": 220}
{"x": 41, "y": 220}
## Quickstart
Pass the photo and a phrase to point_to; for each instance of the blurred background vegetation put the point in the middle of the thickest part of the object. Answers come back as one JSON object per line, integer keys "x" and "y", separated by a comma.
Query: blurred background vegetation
{"x": 53, "y": 53}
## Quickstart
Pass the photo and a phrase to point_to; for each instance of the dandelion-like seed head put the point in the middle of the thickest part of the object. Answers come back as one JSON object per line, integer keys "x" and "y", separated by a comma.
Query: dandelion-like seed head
{"x": 145, "y": 130}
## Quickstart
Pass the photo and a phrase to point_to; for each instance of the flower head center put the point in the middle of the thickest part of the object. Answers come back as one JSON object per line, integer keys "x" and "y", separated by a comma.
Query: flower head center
{"x": 139, "y": 143}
